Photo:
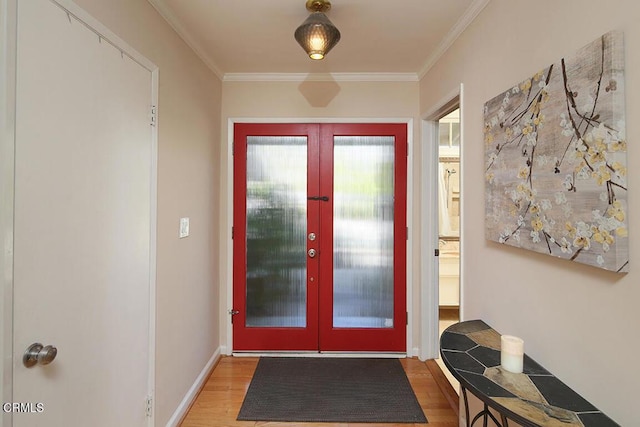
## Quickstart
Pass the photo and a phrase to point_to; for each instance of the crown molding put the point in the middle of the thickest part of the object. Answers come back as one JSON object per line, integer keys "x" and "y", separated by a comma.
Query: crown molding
{"x": 174, "y": 22}
{"x": 465, "y": 20}
{"x": 320, "y": 77}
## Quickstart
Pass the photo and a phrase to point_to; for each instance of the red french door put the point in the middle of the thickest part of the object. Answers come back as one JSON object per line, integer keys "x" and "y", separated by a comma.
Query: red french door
{"x": 319, "y": 246}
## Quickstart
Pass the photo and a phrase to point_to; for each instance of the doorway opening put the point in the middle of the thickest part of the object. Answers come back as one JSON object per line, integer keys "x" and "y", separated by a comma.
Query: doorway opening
{"x": 449, "y": 197}
{"x": 449, "y": 215}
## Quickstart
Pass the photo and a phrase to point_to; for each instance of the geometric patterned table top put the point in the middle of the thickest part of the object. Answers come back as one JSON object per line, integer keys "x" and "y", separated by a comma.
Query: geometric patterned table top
{"x": 471, "y": 351}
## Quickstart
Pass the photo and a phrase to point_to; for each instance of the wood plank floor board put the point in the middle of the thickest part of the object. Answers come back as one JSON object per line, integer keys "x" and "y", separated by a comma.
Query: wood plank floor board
{"x": 220, "y": 399}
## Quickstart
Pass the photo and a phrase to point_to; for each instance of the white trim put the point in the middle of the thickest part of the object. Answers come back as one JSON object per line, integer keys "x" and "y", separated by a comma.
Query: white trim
{"x": 320, "y": 77}
{"x": 193, "y": 391}
{"x": 228, "y": 239}
{"x": 410, "y": 236}
{"x": 174, "y": 22}
{"x": 462, "y": 203}
{"x": 429, "y": 292}
{"x": 153, "y": 244}
{"x": 324, "y": 354}
{"x": 8, "y": 50}
{"x": 465, "y": 20}
{"x": 443, "y": 104}
{"x": 225, "y": 351}
{"x": 227, "y": 345}
{"x": 355, "y": 120}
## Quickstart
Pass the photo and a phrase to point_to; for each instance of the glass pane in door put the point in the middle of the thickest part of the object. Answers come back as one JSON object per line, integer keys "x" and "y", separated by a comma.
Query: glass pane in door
{"x": 363, "y": 232}
{"x": 276, "y": 231}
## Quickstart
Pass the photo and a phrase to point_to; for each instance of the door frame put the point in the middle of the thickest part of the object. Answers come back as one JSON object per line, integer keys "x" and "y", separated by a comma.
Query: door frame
{"x": 8, "y": 36}
{"x": 226, "y": 301}
{"x": 8, "y": 68}
{"x": 429, "y": 292}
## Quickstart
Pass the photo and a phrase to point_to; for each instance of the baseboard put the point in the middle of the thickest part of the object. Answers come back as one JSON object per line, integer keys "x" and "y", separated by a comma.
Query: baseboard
{"x": 445, "y": 386}
{"x": 193, "y": 392}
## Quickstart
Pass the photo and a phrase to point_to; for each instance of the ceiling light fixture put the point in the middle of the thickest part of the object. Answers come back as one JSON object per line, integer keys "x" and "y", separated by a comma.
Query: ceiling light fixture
{"x": 317, "y": 35}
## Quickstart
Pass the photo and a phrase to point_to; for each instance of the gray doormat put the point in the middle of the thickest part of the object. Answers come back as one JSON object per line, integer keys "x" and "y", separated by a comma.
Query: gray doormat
{"x": 331, "y": 390}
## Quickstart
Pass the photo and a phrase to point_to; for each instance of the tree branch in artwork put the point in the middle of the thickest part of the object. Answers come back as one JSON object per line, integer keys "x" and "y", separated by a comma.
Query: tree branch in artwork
{"x": 592, "y": 157}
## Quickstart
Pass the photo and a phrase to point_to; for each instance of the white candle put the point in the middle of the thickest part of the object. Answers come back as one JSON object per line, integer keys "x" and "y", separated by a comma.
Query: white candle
{"x": 511, "y": 353}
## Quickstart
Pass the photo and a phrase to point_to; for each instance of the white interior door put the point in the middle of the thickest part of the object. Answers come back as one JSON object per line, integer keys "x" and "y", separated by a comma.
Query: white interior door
{"x": 83, "y": 224}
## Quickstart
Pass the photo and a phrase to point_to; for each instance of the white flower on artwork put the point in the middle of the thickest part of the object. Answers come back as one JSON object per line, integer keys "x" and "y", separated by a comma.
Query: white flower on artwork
{"x": 555, "y": 162}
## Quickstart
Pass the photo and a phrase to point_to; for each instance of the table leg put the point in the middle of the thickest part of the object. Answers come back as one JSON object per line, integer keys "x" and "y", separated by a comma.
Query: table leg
{"x": 494, "y": 418}
{"x": 466, "y": 406}
{"x": 485, "y": 414}
{"x": 486, "y": 419}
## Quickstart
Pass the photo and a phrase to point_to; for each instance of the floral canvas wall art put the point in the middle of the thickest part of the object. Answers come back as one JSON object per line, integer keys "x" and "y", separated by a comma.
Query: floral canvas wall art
{"x": 556, "y": 163}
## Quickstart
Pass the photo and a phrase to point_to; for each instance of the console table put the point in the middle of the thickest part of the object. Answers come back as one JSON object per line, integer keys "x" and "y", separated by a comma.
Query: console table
{"x": 534, "y": 398}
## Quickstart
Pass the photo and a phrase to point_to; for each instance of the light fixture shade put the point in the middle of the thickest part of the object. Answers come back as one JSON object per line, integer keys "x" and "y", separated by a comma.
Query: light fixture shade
{"x": 317, "y": 35}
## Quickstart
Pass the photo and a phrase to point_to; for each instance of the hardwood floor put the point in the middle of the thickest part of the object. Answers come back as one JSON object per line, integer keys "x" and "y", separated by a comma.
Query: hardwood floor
{"x": 220, "y": 399}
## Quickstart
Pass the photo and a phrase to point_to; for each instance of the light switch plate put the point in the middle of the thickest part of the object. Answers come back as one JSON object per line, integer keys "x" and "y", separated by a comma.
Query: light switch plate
{"x": 184, "y": 227}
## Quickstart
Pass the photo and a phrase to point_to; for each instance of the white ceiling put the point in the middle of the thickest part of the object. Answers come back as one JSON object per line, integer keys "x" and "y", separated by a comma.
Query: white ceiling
{"x": 244, "y": 38}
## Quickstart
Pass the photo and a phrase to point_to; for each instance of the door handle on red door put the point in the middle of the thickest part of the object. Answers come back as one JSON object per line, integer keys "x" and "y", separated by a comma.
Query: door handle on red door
{"x": 39, "y": 354}
{"x": 312, "y": 253}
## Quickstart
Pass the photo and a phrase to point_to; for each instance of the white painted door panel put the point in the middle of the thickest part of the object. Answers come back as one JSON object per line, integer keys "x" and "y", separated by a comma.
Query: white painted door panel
{"x": 82, "y": 223}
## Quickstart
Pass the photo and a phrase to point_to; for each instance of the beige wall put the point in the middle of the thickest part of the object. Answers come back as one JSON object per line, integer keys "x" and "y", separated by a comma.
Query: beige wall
{"x": 580, "y": 322}
{"x": 312, "y": 100}
{"x": 188, "y": 186}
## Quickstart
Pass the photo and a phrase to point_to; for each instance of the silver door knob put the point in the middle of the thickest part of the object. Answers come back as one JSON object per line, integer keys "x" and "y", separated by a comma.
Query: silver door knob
{"x": 37, "y": 354}
{"x": 312, "y": 253}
